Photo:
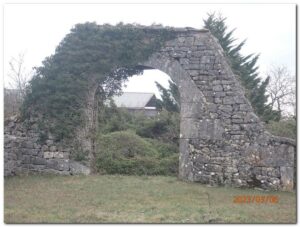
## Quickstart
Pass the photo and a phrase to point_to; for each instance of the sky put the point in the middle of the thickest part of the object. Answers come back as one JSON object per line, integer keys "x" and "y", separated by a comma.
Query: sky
{"x": 36, "y": 30}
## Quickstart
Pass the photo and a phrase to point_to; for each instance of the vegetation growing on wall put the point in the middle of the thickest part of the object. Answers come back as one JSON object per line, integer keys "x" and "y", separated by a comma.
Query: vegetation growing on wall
{"x": 90, "y": 54}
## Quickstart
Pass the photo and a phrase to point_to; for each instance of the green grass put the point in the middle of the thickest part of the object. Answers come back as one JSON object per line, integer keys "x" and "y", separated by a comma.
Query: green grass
{"x": 135, "y": 199}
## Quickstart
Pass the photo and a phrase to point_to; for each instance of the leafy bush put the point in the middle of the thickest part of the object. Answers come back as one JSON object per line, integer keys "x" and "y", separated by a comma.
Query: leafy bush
{"x": 112, "y": 119}
{"x": 283, "y": 128}
{"x": 169, "y": 165}
{"x": 152, "y": 128}
{"x": 164, "y": 149}
{"x": 125, "y": 152}
{"x": 164, "y": 126}
{"x": 149, "y": 146}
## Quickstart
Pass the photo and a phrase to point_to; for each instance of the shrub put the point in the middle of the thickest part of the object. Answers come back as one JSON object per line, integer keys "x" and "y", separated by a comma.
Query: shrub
{"x": 125, "y": 152}
{"x": 283, "y": 128}
{"x": 164, "y": 126}
{"x": 169, "y": 165}
{"x": 112, "y": 119}
{"x": 164, "y": 149}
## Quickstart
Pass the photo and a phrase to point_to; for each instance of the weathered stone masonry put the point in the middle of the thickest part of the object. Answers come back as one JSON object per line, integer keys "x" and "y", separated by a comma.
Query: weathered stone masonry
{"x": 222, "y": 141}
{"x": 24, "y": 153}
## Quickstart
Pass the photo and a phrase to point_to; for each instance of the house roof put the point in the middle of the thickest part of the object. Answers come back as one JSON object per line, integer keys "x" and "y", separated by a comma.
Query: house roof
{"x": 134, "y": 100}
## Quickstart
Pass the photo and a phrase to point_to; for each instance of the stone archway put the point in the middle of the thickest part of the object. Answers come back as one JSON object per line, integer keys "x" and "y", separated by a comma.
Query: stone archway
{"x": 222, "y": 141}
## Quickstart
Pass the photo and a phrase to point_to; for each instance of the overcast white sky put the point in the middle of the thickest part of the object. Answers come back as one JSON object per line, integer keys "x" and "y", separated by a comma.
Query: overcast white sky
{"x": 36, "y": 29}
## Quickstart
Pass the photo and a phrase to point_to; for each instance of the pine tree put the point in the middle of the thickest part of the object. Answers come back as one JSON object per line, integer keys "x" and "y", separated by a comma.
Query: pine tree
{"x": 170, "y": 97}
{"x": 243, "y": 66}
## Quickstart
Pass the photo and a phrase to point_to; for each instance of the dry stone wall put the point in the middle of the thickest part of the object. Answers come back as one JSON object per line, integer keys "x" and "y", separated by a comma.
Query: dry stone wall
{"x": 222, "y": 141}
{"x": 25, "y": 153}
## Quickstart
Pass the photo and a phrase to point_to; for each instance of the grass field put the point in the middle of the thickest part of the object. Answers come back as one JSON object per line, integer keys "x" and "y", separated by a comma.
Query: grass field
{"x": 134, "y": 199}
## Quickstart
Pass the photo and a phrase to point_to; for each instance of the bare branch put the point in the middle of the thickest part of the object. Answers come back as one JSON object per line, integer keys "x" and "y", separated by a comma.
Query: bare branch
{"x": 281, "y": 90}
{"x": 18, "y": 74}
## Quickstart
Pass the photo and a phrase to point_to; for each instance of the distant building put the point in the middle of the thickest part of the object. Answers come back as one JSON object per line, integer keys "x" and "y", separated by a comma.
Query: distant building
{"x": 137, "y": 102}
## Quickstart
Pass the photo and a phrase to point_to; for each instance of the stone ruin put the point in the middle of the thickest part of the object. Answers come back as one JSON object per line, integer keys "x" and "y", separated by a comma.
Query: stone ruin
{"x": 222, "y": 141}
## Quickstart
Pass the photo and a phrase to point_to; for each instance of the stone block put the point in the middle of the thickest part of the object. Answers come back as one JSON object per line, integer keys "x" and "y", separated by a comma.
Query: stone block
{"x": 25, "y": 151}
{"x": 216, "y": 82}
{"x": 189, "y": 41}
{"x": 48, "y": 155}
{"x": 34, "y": 152}
{"x": 237, "y": 121}
{"x": 217, "y": 88}
{"x": 45, "y": 148}
{"x": 244, "y": 107}
{"x": 225, "y": 108}
{"x": 228, "y": 100}
{"x": 198, "y": 42}
{"x": 205, "y": 59}
{"x": 212, "y": 107}
{"x": 178, "y": 54}
{"x": 58, "y": 155}
{"x": 219, "y": 94}
{"x": 227, "y": 87}
{"x": 66, "y": 155}
{"x": 235, "y": 127}
{"x": 26, "y": 159}
{"x": 49, "y": 142}
{"x": 214, "y": 168}
{"x": 201, "y": 158}
{"x": 57, "y": 164}
{"x": 52, "y": 148}
{"x": 275, "y": 182}
{"x": 217, "y": 100}
{"x": 239, "y": 100}
{"x": 77, "y": 168}
{"x": 28, "y": 144}
{"x": 231, "y": 169}
{"x": 39, "y": 161}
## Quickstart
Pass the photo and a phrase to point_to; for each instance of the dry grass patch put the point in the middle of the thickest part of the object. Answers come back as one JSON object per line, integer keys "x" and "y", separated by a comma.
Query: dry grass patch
{"x": 135, "y": 199}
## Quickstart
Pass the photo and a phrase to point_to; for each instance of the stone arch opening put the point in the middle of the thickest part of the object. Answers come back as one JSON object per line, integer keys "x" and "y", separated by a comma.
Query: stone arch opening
{"x": 158, "y": 129}
{"x": 192, "y": 109}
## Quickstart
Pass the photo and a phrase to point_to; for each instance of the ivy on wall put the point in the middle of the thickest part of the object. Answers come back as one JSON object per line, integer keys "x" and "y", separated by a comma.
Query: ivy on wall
{"x": 102, "y": 54}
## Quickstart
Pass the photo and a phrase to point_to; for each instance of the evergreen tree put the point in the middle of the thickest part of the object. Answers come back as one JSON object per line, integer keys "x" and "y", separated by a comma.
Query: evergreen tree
{"x": 243, "y": 66}
{"x": 170, "y": 97}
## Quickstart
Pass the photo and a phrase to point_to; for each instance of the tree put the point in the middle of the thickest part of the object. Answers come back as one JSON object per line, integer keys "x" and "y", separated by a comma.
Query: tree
{"x": 282, "y": 90}
{"x": 243, "y": 66}
{"x": 18, "y": 74}
{"x": 19, "y": 77}
{"x": 170, "y": 97}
